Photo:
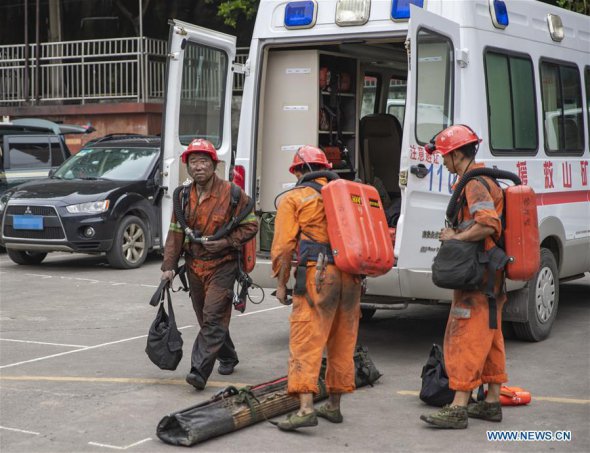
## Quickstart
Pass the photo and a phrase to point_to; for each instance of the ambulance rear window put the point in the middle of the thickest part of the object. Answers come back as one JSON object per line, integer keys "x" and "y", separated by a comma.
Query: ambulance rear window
{"x": 434, "y": 90}
{"x": 202, "y": 98}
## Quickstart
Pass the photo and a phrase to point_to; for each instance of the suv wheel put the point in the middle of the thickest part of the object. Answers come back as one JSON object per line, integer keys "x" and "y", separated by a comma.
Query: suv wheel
{"x": 26, "y": 257}
{"x": 129, "y": 249}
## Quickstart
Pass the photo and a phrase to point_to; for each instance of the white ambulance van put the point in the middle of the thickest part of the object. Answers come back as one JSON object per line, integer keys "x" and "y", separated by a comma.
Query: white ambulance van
{"x": 332, "y": 72}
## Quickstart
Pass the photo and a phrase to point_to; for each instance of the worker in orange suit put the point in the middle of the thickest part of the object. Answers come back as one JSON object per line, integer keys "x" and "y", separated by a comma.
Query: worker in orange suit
{"x": 326, "y": 301}
{"x": 212, "y": 265}
{"x": 473, "y": 349}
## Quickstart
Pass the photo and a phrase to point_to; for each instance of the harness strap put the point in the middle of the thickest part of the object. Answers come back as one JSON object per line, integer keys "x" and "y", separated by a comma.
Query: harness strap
{"x": 309, "y": 251}
{"x": 496, "y": 259}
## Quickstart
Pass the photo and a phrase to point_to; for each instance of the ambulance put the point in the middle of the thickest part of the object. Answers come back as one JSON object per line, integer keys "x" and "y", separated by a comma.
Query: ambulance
{"x": 328, "y": 73}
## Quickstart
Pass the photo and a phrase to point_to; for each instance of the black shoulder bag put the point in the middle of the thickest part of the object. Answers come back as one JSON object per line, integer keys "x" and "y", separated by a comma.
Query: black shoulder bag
{"x": 164, "y": 341}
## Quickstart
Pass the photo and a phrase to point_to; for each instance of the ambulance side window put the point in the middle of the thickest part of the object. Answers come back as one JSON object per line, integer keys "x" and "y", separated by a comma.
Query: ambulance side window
{"x": 434, "y": 88}
{"x": 202, "y": 96}
{"x": 562, "y": 108}
{"x": 512, "y": 115}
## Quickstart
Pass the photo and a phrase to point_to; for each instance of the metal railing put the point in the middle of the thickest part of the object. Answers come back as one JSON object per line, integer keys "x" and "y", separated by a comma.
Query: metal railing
{"x": 103, "y": 70}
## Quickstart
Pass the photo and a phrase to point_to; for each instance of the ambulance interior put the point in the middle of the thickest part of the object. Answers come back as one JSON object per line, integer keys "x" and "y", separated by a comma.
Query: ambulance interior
{"x": 349, "y": 99}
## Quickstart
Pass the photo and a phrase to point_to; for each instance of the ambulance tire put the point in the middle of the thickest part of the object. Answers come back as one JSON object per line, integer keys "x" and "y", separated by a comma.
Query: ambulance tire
{"x": 130, "y": 244}
{"x": 26, "y": 257}
{"x": 543, "y": 301}
{"x": 367, "y": 314}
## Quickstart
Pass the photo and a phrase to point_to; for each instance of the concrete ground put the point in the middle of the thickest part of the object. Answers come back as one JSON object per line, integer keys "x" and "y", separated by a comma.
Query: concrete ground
{"x": 74, "y": 376}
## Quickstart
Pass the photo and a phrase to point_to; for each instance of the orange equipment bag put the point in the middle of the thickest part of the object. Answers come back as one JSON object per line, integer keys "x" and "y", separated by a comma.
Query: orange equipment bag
{"x": 249, "y": 255}
{"x": 513, "y": 396}
{"x": 333, "y": 154}
{"x": 521, "y": 233}
{"x": 357, "y": 228}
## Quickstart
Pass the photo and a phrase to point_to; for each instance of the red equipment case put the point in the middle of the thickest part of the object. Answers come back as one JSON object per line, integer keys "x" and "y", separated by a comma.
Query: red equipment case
{"x": 357, "y": 228}
{"x": 521, "y": 234}
{"x": 249, "y": 255}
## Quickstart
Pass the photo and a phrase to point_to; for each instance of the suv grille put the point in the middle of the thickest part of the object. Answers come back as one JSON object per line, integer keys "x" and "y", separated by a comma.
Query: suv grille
{"x": 52, "y": 229}
{"x": 35, "y": 210}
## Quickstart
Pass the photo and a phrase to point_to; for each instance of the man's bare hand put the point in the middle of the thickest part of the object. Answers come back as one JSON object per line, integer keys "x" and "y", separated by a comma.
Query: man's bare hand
{"x": 281, "y": 295}
{"x": 216, "y": 246}
{"x": 447, "y": 233}
{"x": 167, "y": 275}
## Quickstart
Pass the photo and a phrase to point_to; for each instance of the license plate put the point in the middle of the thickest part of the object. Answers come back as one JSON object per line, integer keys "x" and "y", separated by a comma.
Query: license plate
{"x": 27, "y": 222}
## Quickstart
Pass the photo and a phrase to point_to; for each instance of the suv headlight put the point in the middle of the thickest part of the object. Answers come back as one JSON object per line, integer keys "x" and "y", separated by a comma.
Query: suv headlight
{"x": 94, "y": 207}
{"x": 3, "y": 202}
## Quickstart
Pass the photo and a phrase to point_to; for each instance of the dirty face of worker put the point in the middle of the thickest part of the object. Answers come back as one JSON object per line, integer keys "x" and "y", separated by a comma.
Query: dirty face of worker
{"x": 200, "y": 167}
{"x": 451, "y": 159}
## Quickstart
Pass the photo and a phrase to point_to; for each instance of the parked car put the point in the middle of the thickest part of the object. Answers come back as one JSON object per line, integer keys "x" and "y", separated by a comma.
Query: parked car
{"x": 30, "y": 148}
{"x": 104, "y": 199}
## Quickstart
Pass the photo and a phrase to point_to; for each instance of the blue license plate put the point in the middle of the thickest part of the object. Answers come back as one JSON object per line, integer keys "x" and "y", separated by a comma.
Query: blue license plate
{"x": 27, "y": 222}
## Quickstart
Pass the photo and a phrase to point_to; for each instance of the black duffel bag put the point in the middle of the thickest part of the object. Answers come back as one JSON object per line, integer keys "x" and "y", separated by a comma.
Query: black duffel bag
{"x": 164, "y": 341}
{"x": 459, "y": 265}
{"x": 435, "y": 389}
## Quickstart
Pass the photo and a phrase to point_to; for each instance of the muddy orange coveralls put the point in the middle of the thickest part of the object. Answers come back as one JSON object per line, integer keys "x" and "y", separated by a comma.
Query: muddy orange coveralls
{"x": 211, "y": 276}
{"x": 327, "y": 315}
{"x": 474, "y": 353}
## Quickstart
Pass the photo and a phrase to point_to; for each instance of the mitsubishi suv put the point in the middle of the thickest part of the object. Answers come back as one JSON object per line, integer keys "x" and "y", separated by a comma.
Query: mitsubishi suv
{"x": 105, "y": 199}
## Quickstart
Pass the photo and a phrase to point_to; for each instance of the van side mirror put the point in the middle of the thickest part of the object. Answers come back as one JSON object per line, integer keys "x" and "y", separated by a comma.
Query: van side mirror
{"x": 51, "y": 172}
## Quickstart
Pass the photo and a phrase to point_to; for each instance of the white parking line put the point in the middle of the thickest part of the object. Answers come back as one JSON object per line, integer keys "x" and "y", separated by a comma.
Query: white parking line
{"x": 19, "y": 430}
{"x": 115, "y": 447}
{"x": 43, "y": 342}
{"x": 261, "y": 311}
{"x": 85, "y": 348}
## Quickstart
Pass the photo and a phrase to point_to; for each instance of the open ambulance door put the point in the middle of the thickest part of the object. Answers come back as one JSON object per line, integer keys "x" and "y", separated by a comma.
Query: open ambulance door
{"x": 434, "y": 79}
{"x": 198, "y": 102}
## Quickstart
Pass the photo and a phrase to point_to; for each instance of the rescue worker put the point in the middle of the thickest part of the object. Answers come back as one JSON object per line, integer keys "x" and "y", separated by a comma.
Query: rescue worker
{"x": 474, "y": 352}
{"x": 212, "y": 266}
{"x": 326, "y": 302}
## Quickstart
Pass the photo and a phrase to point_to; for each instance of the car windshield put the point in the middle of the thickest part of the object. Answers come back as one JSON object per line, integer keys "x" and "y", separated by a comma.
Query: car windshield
{"x": 119, "y": 164}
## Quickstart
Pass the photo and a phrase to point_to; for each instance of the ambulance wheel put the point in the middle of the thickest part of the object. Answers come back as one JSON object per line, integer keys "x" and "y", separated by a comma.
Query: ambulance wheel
{"x": 129, "y": 249}
{"x": 543, "y": 301}
{"x": 367, "y": 314}
{"x": 26, "y": 257}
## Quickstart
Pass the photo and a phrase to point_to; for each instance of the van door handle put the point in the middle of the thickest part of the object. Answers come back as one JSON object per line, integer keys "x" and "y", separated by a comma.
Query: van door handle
{"x": 419, "y": 170}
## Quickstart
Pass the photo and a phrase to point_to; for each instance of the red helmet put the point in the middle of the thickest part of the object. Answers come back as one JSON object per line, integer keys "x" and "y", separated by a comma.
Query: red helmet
{"x": 452, "y": 138}
{"x": 309, "y": 155}
{"x": 199, "y": 145}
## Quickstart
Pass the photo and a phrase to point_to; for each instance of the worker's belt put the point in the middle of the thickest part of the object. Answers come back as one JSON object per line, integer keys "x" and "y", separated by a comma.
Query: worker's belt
{"x": 217, "y": 256}
{"x": 309, "y": 251}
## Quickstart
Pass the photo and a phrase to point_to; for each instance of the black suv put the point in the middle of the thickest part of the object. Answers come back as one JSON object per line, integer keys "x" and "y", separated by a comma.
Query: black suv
{"x": 104, "y": 199}
{"x": 31, "y": 147}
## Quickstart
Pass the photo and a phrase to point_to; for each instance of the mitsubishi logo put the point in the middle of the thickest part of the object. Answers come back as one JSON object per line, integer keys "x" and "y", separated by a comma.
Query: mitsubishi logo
{"x": 28, "y": 211}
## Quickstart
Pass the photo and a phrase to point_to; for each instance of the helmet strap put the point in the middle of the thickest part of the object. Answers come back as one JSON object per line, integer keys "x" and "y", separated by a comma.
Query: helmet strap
{"x": 303, "y": 160}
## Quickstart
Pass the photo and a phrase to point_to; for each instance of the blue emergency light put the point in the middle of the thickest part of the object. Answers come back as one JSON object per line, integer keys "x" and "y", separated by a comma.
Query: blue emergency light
{"x": 300, "y": 14}
{"x": 400, "y": 9}
{"x": 499, "y": 13}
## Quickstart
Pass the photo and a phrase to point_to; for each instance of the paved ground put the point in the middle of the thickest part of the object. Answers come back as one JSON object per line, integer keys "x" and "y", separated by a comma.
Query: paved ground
{"x": 74, "y": 375}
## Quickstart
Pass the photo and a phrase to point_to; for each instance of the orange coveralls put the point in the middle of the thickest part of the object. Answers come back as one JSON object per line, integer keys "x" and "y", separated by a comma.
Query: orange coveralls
{"x": 327, "y": 318}
{"x": 474, "y": 353}
{"x": 211, "y": 276}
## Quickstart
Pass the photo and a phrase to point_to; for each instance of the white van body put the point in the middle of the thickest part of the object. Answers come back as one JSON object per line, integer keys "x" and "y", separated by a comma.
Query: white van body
{"x": 447, "y": 54}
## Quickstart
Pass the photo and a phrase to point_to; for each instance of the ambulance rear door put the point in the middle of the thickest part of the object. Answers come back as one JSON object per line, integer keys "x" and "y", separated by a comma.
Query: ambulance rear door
{"x": 433, "y": 94}
{"x": 198, "y": 102}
